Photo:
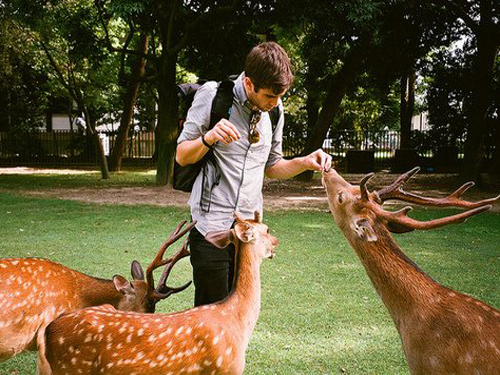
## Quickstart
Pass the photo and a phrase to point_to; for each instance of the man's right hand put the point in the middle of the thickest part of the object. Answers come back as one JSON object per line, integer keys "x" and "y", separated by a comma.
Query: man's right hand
{"x": 224, "y": 131}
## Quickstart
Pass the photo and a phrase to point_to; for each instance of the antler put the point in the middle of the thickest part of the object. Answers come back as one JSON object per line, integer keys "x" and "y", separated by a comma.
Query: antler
{"x": 395, "y": 191}
{"x": 158, "y": 261}
{"x": 399, "y": 222}
{"x": 162, "y": 290}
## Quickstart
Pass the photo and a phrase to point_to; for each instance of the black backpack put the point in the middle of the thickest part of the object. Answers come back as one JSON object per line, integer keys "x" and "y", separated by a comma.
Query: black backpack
{"x": 184, "y": 177}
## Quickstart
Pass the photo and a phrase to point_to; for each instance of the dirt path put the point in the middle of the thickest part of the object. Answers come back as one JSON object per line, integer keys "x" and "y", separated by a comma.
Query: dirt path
{"x": 285, "y": 194}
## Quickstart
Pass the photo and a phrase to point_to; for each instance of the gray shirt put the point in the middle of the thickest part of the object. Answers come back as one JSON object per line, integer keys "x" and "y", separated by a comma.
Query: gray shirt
{"x": 241, "y": 165}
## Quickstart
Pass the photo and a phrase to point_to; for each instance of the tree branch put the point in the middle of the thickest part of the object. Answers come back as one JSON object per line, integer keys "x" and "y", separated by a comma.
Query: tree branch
{"x": 107, "y": 39}
{"x": 462, "y": 14}
{"x": 57, "y": 69}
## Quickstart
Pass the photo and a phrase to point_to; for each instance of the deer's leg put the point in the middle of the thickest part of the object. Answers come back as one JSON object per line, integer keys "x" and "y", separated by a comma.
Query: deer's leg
{"x": 42, "y": 365}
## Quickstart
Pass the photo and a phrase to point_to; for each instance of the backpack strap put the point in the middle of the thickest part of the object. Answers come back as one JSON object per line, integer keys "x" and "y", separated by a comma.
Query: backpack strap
{"x": 222, "y": 102}
{"x": 275, "y": 115}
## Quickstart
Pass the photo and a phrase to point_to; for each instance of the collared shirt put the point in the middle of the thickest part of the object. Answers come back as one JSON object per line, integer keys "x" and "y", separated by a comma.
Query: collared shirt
{"x": 236, "y": 184}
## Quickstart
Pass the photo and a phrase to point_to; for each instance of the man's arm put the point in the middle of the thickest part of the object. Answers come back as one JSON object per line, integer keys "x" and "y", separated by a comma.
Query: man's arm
{"x": 315, "y": 161}
{"x": 189, "y": 152}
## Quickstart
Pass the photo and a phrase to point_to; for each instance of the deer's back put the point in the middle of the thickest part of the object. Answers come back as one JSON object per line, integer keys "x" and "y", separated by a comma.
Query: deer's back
{"x": 34, "y": 292}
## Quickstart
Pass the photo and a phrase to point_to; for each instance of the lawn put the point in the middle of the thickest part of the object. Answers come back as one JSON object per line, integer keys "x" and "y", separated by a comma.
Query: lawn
{"x": 319, "y": 315}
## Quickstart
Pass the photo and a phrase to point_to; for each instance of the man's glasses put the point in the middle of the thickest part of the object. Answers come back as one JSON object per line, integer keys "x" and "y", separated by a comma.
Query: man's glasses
{"x": 254, "y": 135}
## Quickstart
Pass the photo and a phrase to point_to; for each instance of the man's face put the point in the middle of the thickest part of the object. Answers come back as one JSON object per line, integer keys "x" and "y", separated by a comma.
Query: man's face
{"x": 264, "y": 99}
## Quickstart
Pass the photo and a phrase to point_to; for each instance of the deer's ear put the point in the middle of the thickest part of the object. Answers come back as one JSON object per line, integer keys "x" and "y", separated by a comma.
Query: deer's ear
{"x": 137, "y": 272}
{"x": 245, "y": 232}
{"x": 364, "y": 230}
{"x": 123, "y": 285}
{"x": 220, "y": 239}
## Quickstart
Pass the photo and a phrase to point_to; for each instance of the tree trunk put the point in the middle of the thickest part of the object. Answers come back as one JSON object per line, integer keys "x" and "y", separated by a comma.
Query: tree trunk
{"x": 101, "y": 156}
{"x": 167, "y": 129}
{"x": 337, "y": 88}
{"x": 480, "y": 99}
{"x": 115, "y": 159}
{"x": 407, "y": 108}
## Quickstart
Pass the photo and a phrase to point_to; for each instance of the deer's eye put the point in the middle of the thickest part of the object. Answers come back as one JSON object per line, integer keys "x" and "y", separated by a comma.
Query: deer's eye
{"x": 340, "y": 198}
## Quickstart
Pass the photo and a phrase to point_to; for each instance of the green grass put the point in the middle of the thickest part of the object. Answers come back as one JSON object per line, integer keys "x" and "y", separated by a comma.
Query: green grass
{"x": 83, "y": 178}
{"x": 320, "y": 313}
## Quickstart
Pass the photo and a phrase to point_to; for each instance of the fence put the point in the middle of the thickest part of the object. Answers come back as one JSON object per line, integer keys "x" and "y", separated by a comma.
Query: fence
{"x": 63, "y": 147}
{"x": 75, "y": 148}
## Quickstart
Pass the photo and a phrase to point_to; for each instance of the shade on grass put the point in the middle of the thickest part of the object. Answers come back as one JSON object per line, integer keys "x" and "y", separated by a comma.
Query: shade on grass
{"x": 320, "y": 314}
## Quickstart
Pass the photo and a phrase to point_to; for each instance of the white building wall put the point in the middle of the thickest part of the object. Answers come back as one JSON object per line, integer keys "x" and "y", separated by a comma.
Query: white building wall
{"x": 60, "y": 122}
{"x": 420, "y": 122}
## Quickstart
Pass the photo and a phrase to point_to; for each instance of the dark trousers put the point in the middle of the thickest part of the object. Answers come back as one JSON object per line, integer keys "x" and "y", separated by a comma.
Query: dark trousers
{"x": 213, "y": 269}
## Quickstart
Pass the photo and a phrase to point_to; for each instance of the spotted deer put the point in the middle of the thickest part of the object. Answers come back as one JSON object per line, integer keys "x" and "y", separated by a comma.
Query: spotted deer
{"x": 442, "y": 330}
{"x": 34, "y": 291}
{"x": 210, "y": 339}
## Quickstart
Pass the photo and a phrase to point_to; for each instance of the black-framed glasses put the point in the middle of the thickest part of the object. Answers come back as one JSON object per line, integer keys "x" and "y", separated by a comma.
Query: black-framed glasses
{"x": 253, "y": 134}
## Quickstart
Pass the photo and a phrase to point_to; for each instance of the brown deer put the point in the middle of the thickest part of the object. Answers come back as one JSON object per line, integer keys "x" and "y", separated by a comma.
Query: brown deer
{"x": 442, "y": 331}
{"x": 210, "y": 339}
{"x": 34, "y": 291}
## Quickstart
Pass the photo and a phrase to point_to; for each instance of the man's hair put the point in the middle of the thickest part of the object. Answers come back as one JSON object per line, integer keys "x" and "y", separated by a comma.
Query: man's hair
{"x": 268, "y": 66}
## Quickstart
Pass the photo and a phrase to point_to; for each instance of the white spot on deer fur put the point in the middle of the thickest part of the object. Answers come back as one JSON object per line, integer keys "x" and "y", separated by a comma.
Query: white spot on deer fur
{"x": 129, "y": 338}
{"x": 3, "y": 265}
{"x": 229, "y": 350}
{"x": 468, "y": 358}
{"x": 73, "y": 360}
{"x": 15, "y": 262}
{"x": 152, "y": 338}
{"x": 179, "y": 330}
{"x": 216, "y": 340}
{"x": 219, "y": 361}
{"x": 433, "y": 361}
{"x": 61, "y": 340}
{"x": 140, "y": 332}
{"x": 207, "y": 363}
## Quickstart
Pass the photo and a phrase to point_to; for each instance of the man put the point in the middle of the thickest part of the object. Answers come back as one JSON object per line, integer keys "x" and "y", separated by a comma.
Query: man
{"x": 245, "y": 148}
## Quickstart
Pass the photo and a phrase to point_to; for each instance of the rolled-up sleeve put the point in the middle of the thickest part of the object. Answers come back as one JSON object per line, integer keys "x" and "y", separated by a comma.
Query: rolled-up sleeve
{"x": 198, "y": 116}
{"x": 276, "y": 153}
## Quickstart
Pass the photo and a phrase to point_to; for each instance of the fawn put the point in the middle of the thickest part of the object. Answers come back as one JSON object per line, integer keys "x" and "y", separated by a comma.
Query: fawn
{"x": 35, "y": 291}
{"x": 210, "y": 339}
{"x": 442, "y": 331}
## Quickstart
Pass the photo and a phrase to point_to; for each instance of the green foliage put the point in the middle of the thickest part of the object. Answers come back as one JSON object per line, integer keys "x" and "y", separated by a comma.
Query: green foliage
{"x": 449, "y": 72}
{"x": 368, "y": 109}
{"x": 22, "y": 85}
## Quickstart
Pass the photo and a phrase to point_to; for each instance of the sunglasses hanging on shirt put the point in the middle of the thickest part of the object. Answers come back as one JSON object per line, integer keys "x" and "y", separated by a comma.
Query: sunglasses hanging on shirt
{"x": 254, "y": 135}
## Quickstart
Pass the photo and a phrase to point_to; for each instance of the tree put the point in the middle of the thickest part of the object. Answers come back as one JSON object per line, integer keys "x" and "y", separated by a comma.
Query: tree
{"x": 478, "y": 21}
{"x": 133, "y": 62}
{"x": 77, "y": 61}
{"x": 23, "y": 87}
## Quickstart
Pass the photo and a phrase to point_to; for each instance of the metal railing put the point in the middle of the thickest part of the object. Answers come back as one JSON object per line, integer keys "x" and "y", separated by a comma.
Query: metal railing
{"x": 76, "y": 148}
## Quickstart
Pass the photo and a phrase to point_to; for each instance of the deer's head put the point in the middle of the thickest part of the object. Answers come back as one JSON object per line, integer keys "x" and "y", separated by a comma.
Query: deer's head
{"x": 140, "y": 294}
{"x": 358, "y": 212}
{"x": 248, "y": 232}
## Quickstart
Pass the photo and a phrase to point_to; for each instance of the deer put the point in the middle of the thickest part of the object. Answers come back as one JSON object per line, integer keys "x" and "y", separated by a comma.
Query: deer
{"x": 208, "y": 339}
{"x": 34, "y": 291}
{"x": 442, "y": 331}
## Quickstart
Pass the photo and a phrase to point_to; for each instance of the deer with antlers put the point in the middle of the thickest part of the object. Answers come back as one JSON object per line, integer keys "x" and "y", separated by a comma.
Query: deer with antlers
{"x": 35, "y": 291}
{"x": 210, "y": 339}
{"x": 442, "y": 331}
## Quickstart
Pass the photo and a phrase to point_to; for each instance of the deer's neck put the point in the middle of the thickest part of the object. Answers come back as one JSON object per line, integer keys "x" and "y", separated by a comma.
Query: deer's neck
{"x": 94, "y": 291}
{"x": 402, "y": 285}
{"x": 243, "y": 303}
